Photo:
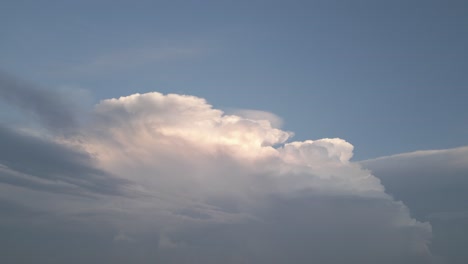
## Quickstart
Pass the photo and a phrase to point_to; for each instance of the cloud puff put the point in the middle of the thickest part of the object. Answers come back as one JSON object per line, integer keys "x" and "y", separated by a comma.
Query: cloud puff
{"x": 208, "y": 187}
{"x": 275, "y": 120}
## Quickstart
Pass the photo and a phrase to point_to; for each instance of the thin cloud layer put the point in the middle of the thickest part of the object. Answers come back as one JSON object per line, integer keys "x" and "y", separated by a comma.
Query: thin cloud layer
{"x": 206, "y": 187}
{"x": 50, "y": 108}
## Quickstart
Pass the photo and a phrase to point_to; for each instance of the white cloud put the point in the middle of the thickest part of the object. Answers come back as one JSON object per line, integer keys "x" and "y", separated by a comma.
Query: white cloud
{"x": 274, "y": 120}
{"x": 208, "y": 187}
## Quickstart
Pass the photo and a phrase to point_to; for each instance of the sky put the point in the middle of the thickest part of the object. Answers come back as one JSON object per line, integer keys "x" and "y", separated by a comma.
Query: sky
{"x": 389, "y": 76}
{"x": 233, "y": 131}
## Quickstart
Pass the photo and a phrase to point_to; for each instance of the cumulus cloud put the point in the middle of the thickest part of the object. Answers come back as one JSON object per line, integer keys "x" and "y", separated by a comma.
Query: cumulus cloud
{"x": 208, "y": 187}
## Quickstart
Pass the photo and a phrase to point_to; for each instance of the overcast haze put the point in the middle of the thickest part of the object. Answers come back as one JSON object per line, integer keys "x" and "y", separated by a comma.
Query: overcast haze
{"x": 233, "y": 132}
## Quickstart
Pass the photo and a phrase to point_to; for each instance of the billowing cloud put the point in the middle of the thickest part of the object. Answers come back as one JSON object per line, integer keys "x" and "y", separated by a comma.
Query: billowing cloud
{"x": 203, "y": 186}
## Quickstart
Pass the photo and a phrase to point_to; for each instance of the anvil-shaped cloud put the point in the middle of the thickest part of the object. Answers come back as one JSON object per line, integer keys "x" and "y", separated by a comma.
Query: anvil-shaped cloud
{"x": 155, "y": 178}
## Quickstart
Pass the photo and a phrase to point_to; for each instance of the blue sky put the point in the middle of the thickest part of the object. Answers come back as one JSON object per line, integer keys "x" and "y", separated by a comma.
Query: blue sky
{"x": 89, "y": 174}
{"x": 388, "y": 76}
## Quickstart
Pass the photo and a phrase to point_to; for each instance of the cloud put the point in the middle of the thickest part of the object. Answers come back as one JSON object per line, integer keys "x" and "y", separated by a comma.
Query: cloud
{"x": 210, "y": 187}
{"x": 274, "y": 120}
{"x": 49, "y": 107}
{"x": 38, "y": 163}
{"x": 433, "y": 184}
{"x": 438, "y": 175}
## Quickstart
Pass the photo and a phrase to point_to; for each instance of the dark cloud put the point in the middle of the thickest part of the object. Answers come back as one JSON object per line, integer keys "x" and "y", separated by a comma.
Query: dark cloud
{"x": 305, "y": 229}
{"x": 53, "y": 111}
{"x": 37, "y": 163}
{"x": 45, "y": 238}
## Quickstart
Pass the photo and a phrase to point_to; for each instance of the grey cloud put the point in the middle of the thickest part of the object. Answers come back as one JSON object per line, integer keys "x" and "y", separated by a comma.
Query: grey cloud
{"x": 52, "y": 109}
{"x": 434, "y": 184}
{"x": 305, "y": 229}
{"x": 46, "y": 238}
{"x": 50, "y": 166}
{"x": 428, "y": 181}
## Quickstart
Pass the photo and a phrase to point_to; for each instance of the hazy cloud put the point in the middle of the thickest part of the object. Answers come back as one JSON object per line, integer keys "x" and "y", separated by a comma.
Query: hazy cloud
{"x": 33, "y": 162}
{"x": 51, "y": 109}
{"x": 434, "y": 185}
